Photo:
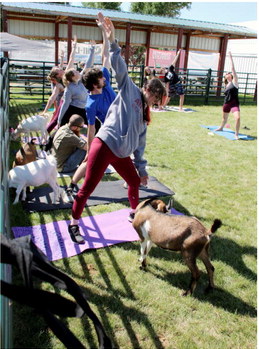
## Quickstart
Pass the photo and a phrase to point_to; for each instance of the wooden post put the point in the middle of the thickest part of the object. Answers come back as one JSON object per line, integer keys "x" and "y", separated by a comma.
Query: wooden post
{"x": 148, "y": 46}
{"x": 56, "y": 42}
{"x": 5, "y": 28}
{"x": 69, "y": 36}
{"x": 187, "y": 49}
{"x": 179, "y": 45}
{"x": 127, "y": 49}
{"x": 222, "y": 57}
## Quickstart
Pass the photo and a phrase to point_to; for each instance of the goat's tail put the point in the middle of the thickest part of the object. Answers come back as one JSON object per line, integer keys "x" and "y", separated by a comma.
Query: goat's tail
{"x": 216, "y": 225}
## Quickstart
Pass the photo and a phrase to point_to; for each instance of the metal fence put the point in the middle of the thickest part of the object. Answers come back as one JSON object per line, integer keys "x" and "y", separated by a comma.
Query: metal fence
{"x": 28, "y": 81}
{"x": 5, "y": 313}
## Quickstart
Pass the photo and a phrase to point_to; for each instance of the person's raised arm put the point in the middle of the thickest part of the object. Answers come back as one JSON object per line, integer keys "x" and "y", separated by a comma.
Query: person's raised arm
{"x": 235, "y": 79}
{"x": 105, "y": 47}
{"x": 176, "y": 57}
{"x": 61, "y": 63}
{"x": 117, "y": 62}
{"x": 89, "y": 64}
{"x": 52, "y": 98}
{"x": 72, "y": 54}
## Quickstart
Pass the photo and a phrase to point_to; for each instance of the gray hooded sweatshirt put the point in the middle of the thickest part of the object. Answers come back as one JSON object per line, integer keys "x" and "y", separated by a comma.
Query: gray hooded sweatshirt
{"x": 124, "y": 129}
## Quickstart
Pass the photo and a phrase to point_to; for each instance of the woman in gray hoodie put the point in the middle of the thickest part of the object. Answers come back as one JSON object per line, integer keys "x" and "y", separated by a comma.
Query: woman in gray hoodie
{"x": 122, "y": 134}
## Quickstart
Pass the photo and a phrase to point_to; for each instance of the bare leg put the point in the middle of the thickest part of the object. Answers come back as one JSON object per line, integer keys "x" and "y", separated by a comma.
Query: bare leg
{"x": 224, "y": 121}
{"x": 181, "y": 102}
{"x": 80, "y": 173}
{"x": 237, "y": 119}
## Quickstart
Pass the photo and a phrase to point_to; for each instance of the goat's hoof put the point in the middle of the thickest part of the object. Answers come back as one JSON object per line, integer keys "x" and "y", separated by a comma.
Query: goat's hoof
{"x": 186, "y": 293}
{"x": 142, "y": 268}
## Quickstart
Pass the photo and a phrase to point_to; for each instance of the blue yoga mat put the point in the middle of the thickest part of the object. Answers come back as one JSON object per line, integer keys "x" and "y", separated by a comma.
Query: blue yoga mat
{"x": 227, "y": 133}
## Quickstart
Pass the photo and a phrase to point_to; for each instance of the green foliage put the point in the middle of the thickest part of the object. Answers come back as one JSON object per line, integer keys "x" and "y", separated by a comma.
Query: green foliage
{"x": 166, "y": 9}
{"x": 212, "y": 177}
{"x": 136, "y": 55}
{"x": 103, "y": 5}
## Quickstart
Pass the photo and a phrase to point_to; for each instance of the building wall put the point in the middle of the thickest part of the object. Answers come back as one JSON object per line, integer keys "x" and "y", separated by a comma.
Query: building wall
{"x": 43, "y": 30}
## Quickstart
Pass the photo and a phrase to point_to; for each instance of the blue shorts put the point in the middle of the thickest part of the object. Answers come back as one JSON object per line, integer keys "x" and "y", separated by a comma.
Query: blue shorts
{"x": 176, "y": 89}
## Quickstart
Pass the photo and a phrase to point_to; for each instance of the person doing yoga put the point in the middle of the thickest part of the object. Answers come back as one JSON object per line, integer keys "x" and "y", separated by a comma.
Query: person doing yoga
{"x": 123, "y": 133}
{"x": 231, "y": 101}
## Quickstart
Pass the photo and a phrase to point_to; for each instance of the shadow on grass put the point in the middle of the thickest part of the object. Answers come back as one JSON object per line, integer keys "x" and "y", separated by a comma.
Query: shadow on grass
{"x": 218, "y": 297}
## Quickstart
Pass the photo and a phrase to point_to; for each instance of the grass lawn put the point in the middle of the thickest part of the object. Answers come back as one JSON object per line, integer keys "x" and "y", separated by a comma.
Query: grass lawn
{"x": 212, "y": 177}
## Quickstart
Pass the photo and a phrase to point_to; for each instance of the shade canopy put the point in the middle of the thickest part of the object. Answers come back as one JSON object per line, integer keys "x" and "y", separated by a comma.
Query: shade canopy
{"x": 9, "y": 42}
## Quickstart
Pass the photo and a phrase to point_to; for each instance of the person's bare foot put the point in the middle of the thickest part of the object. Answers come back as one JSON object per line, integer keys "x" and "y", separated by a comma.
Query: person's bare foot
{"x": 219, "y": 129}
{"x": 236, "y": 137}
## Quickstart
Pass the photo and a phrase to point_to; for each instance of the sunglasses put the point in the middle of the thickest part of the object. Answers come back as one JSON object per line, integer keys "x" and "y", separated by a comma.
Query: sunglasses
{"x": 81, "y": 126}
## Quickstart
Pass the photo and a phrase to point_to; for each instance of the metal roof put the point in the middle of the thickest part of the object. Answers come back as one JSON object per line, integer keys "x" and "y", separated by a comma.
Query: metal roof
{"x": 88, "y": 13}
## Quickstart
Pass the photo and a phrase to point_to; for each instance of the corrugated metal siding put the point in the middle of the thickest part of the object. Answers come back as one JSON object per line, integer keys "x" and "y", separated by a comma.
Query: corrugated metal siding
{"x": 163, "y": 40}
{"x": 138, "y": 37}
{"x": 82, "y": 32}
{"x": 31, "y": 28}
{"x": 246, "y": 64}
{"x": 199, "y": 43}
{"x": 128, "y": 17}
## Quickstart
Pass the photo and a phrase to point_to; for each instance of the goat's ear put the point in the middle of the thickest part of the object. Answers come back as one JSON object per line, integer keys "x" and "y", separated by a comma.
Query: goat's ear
{"x": 170, "y": 204}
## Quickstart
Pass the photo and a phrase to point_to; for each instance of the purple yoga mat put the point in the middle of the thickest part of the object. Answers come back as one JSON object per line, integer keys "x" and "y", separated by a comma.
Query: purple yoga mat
{"x": 99, "y": 231}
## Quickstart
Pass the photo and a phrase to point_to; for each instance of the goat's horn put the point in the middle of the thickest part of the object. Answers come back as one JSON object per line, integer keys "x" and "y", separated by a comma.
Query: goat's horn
{"x": 170, "y": 204}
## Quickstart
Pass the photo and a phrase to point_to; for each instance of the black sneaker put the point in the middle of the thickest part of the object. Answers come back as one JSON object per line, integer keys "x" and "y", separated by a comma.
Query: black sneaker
{"x": 75, "y": 234}
{"x": 69, "y": 193}
{"x": 131, "y": 217}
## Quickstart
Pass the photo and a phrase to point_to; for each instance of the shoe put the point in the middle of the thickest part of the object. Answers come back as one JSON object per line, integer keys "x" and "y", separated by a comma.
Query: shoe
{"x": 69, "y": 194}
{"x": 75, "y": 234}
{"x": 131, "y": 217}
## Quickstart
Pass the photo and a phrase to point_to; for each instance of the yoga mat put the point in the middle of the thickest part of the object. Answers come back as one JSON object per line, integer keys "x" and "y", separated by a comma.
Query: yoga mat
{"x": 108, "y": 170}
{"x": 99, "y": 231}
{"x": 227, "y": 133}
{"x": 185, "y": 110}
{"x": 106, "y": 192}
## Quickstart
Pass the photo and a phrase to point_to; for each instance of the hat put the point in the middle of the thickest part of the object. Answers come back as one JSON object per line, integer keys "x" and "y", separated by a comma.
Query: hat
{"x": 76, "y": 120}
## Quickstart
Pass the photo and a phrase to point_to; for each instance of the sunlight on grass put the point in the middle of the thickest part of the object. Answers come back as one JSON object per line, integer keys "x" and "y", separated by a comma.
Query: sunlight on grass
{"x": 212, "y": 177}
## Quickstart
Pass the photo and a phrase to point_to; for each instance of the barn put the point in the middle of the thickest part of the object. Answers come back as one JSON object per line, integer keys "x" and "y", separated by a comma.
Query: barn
{"x": 44, "y": 21}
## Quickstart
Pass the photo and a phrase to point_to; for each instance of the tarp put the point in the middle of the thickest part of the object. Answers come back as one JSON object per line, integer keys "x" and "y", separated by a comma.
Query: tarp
{"x": 9, "y": 42}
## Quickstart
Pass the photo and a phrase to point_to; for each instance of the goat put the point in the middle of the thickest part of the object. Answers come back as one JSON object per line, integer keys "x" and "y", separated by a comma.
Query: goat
{"x": 27, "y": 153}
{"x": 177, "y": 233}
{"x": 35, "y": 173}
{"x": 33, "y": 123}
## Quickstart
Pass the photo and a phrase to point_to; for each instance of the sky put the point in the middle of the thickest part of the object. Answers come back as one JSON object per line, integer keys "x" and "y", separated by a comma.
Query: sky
{"x": 217, "y": 12}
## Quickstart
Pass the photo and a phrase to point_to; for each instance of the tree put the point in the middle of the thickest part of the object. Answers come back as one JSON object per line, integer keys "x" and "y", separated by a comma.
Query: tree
{"x": 166, "y": 9}
{"x": 103, "y": 5}
{"x": 136, "y": 55}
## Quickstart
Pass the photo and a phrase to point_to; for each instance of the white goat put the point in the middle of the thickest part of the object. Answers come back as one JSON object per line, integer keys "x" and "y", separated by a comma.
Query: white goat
{"x": 177, "y": 233}
{"x": 36, "y": 123}
{"x": 35, "y": 173}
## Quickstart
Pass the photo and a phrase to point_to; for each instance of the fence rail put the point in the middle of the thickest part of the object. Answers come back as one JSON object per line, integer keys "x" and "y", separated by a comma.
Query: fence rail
{"x": 28, "y": 80}
{"x": 5, "y": 305}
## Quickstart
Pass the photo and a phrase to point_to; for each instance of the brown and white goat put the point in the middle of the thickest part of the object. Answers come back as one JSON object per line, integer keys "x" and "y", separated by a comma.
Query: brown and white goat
{"x": 177, "y": 233}
{"x": 27, "y": 153}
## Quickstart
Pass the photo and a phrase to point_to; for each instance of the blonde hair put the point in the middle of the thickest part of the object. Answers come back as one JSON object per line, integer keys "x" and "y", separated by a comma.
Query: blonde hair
{"x": 53, "y": 74}
{"x": 68, "y": 76}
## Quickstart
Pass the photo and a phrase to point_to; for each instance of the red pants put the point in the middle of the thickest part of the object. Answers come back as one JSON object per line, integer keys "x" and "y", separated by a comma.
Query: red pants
{"x": 99, "y": 157}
